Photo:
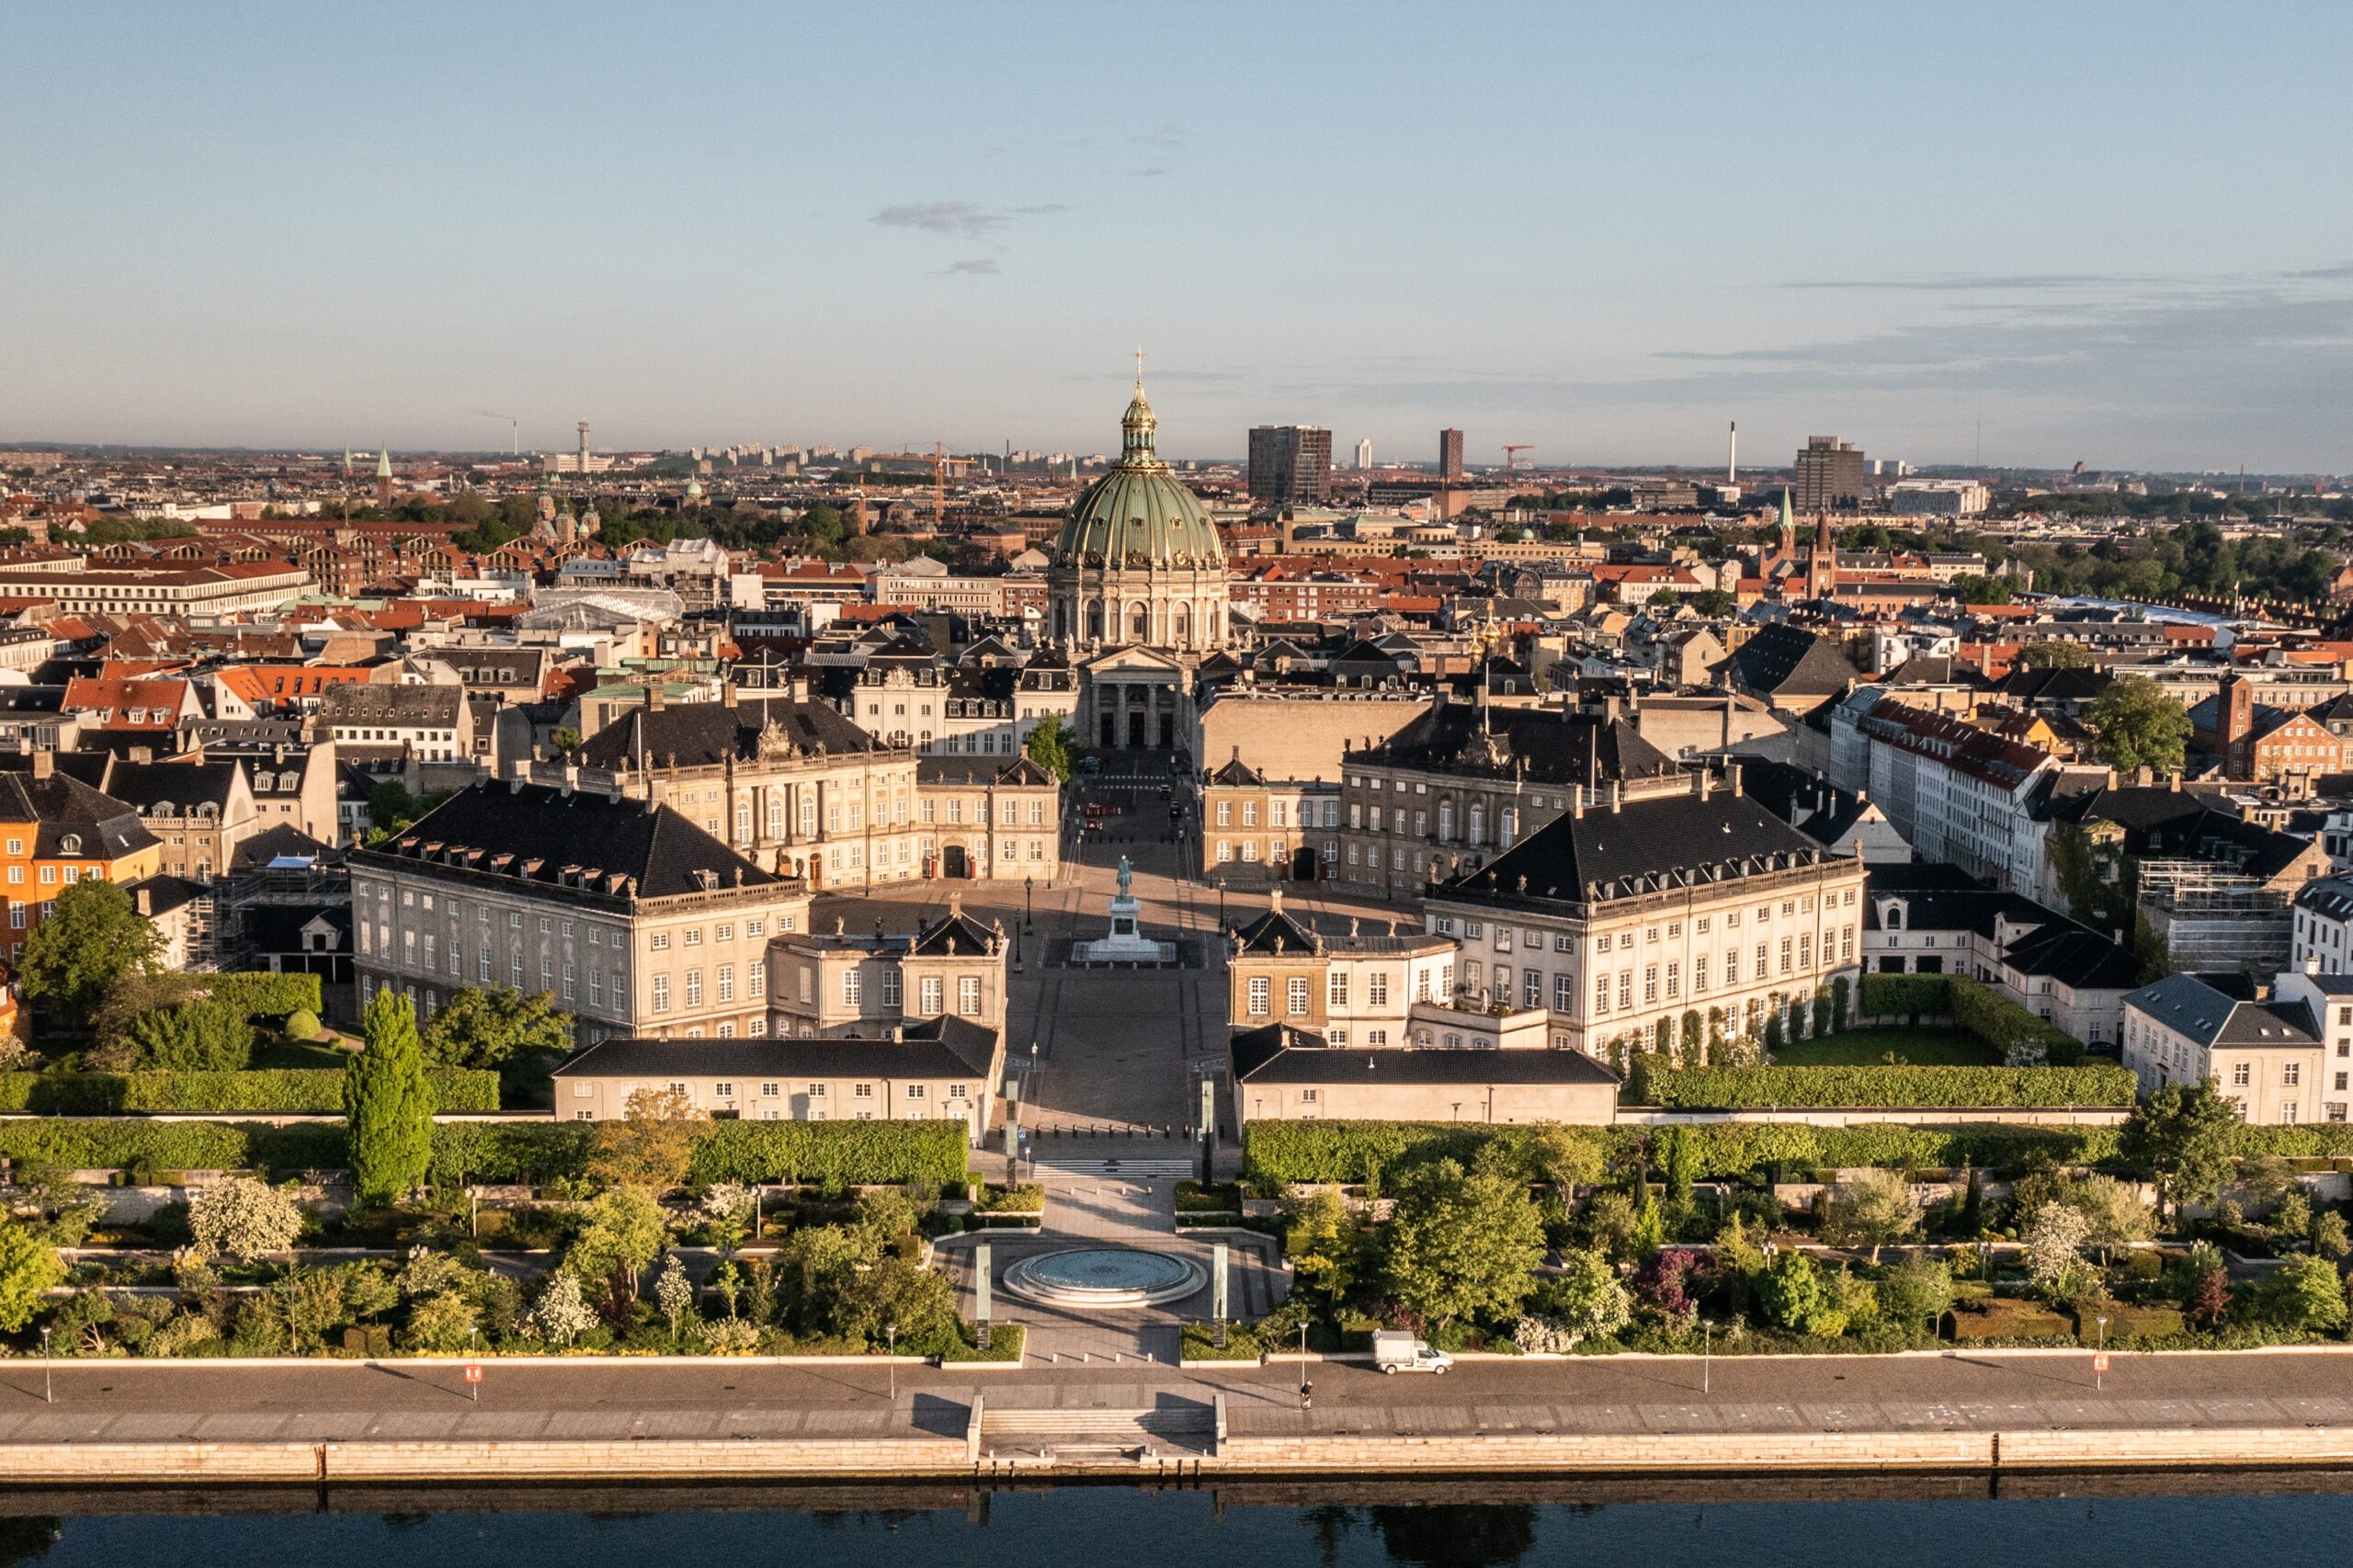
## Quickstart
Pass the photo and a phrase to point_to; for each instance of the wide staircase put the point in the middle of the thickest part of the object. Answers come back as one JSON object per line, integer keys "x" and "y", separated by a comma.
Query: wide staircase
{"x": 1174, "y": 1425}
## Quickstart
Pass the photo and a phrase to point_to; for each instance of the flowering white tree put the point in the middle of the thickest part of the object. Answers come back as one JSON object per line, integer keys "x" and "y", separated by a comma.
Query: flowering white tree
{"x": 2054, "y": 1248}
{"x": 239, "y": 1217}
{"x": 675, "y": 1294}
{"x": 562, "y": 1314}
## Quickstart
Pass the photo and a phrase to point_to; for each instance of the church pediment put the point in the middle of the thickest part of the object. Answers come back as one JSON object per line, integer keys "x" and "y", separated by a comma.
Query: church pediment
{"x": 1132, "y": 660}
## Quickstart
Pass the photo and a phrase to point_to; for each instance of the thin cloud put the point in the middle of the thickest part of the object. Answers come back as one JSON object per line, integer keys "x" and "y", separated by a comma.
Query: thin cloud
{"x": 979, "y": 266}
{"x": 968, "y": 219}
{"x": 2016, "y": 282}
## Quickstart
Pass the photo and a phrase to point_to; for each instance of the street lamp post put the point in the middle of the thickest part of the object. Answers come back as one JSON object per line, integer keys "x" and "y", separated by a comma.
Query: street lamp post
{"x": 891, "y": 1332}
{"x": 1027, "y": 883}
{"x": 1707, "y": 1356}
{"x": 48, "y": 1389}
{"x": 2099, "y": 1367}
{"x": 1221, "y": 909}
{"x": 1306, "y": 1389}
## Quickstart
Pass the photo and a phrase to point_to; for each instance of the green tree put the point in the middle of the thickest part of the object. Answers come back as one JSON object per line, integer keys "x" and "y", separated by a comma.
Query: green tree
{"x": 388, "y": 1103}
{"x": 1461, "y": 1246}
{"x": 2181, "y": 1135}
{"x": 649, "y": 1146}
{"x": 564, "y": 738}
{"x": 1872, "y": 1209}
{"x": 1049, "y": 746}
{"x": 494, "y": 1025}
{"x": 1715, "y": 604}
{"x": 1915, "y": 1291}
{"x": 2114, "y": 1215}
{"x": 2139, "y": 726}
{"x": 1977, "y": 590}
{"x": 622, "y": 1232}
{"x": 2302, "y": 1293}
{"x": 2054, "y": 656}
{"x": 1665, "y": 599}
{"x": 29, "y": 1267}
{"x": 76, "y": 955}
{"x": 1794, "y": 1296}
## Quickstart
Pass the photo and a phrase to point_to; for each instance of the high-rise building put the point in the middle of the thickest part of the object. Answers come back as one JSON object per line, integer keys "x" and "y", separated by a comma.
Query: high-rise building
{"x": 1450, "y": 455}
{"x": 1364, "y": 454}
{"x": 1830, "y": 476}
{"x": 1289, "y": 464}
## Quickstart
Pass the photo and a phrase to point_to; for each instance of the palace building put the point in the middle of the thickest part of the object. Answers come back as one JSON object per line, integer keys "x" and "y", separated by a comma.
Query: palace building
{"x": 1137, "y": 592}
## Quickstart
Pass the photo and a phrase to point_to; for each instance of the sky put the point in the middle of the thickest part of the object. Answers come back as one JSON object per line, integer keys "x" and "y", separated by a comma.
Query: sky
{"x": 2023, "y": 236}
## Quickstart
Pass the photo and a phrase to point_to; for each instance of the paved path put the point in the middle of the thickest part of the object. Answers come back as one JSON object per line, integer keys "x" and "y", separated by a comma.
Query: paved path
{"x": 347, "y": 1400}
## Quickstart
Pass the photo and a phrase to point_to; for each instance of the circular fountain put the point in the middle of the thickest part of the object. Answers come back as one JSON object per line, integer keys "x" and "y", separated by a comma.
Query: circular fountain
{"x": 1105, "y": 1277}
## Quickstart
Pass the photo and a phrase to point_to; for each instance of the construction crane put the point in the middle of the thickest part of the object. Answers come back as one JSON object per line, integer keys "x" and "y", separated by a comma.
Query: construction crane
{"x": 514, "y": 425}
{"x": 941, "y": 463}
{"x": 1511, "y": 451}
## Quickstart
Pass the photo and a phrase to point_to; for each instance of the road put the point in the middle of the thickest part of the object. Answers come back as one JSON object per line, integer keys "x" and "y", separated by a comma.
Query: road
{"x": 350, "y": 1401}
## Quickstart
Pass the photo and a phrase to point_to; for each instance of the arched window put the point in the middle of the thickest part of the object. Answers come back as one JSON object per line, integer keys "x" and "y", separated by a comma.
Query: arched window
{"x": 1478, "y": 826}
{"x": 1140, "y": 621}
{"x": 1446, "y": 822}
{"x": 1094, "y": 621}
{"x": 1182, "y": 629}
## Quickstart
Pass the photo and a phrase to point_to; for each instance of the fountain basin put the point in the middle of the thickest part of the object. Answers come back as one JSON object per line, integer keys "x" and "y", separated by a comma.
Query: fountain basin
{"x": 1105, "y": 1278}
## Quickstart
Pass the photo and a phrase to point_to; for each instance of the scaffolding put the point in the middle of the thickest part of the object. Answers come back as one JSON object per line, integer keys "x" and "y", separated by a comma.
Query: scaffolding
{"x": 2213, "y": 916}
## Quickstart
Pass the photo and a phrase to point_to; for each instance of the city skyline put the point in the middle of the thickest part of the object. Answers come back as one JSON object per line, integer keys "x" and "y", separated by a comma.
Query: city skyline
{"x": 1604, "y": 236}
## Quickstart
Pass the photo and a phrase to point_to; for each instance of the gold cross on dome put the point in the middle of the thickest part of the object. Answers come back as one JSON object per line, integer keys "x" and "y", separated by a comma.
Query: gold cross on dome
{"x": 1139, "y": 369}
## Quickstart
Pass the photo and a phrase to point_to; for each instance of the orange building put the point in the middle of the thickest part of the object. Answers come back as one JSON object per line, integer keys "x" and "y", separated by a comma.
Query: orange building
{"x": 56, "y": 831}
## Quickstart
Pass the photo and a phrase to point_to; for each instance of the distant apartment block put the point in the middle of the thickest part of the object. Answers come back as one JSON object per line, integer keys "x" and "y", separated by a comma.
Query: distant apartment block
{"x": 1830, "y": 476}
{"x": 1289, "y": 464}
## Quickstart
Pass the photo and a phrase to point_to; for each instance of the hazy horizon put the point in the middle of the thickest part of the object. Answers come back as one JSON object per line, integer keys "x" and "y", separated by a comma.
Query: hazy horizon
{"x": 2107, "y": 236}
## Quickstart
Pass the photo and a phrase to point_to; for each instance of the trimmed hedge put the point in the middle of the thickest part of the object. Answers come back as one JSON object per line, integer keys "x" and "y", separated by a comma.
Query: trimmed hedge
{"x": 1903, "y": 997}
{"x": 857, "y": 1153}
{"x": 1281, "y": 1151}
{"x": 849, "y": 1151}
{"x": 258, "y": 992}
{"x": 293, "y": 1090}
{"x": 1737, "y": 1088}
{"x": 2003, "y": 1025}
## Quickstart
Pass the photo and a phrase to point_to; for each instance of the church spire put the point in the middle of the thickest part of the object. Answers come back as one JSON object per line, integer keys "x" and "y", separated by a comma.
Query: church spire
{"x": 1138, "y": 425}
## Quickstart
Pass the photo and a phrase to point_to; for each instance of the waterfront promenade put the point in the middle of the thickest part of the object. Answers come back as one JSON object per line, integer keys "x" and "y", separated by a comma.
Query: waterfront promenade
{"x": 118, "y": 1421}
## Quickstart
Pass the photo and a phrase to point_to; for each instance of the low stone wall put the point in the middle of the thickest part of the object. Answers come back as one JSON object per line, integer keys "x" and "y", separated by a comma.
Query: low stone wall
{"x": 535, "y": 1459}
{"x": 1601, "y": 1454}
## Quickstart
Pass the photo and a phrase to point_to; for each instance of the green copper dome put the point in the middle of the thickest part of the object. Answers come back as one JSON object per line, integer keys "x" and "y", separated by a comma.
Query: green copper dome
{"x": 1138, "y": 515}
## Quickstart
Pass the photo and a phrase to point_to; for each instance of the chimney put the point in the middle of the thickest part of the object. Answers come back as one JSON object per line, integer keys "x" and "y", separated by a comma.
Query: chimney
{"x": 2173, "y": 781}
{"x": 1616, "y": 795}
{"x": 727, "y": 694}
{"x": 147, "y": 906}
{"x": 2112, "y": 779}
{"x": 142, "y": 753}
{"x": 1735, "y": 780}
{"x": 654, "y": 698}
{"x": 1576, "y": 801}
{"x": 44, "y": 764}
{"x": 1706, "y": 784}
{"x": 2312, "y": 963}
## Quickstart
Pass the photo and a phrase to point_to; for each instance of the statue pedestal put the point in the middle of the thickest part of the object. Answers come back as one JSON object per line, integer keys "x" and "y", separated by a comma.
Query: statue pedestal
{"x": 1127, "y": 942}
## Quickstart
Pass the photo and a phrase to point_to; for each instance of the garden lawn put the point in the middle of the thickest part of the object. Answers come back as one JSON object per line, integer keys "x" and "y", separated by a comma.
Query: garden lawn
{"x": 1870, "y": 1048}
{"x": 300, "y": 1053}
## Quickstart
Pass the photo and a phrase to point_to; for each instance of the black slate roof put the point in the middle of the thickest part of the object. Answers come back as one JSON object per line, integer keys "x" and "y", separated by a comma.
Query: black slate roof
{"x": 1782, "y": 660}
{"x": 539, "y": 834}
{"x": 1302, "y": 1059}
{"x": 702, "y": 735}
{"x": 945, "y": 1047}
{"x": 1646, "y": 846}
{"x": 1543, "y": 745}
{"x": 59, "y": 806}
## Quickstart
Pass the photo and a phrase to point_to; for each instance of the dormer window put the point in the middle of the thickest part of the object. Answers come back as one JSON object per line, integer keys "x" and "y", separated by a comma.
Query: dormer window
{"x": 70, "y": 845}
